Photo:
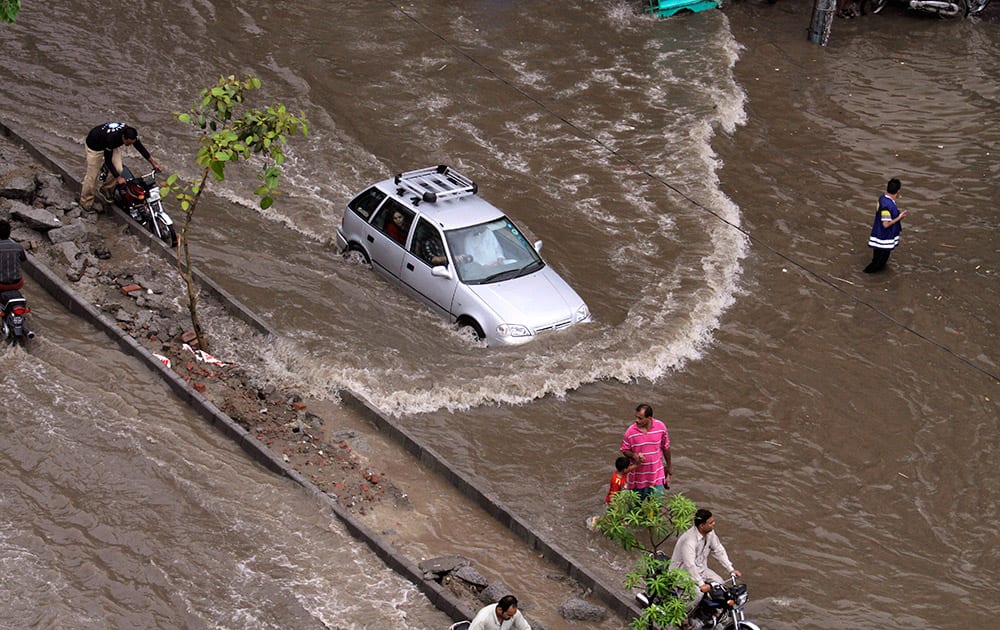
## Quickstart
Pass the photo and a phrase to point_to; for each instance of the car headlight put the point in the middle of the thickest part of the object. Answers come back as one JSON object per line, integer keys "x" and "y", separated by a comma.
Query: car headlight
{"x": 513, "y": 330}
{"x": 582, "y": 314}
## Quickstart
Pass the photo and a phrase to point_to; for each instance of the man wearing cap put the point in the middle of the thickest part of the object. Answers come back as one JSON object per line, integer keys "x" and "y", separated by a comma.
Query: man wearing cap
{"x": 104, "y": 145}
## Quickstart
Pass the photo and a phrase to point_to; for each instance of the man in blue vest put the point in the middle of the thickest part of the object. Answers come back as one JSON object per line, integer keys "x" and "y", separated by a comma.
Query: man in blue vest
{"x": 886, "y": 228}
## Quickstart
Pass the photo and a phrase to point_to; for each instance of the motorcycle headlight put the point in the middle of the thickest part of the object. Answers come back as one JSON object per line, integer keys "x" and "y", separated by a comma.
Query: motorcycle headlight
{"x": 582, "y": 314}
{"x": 513, "y": 330}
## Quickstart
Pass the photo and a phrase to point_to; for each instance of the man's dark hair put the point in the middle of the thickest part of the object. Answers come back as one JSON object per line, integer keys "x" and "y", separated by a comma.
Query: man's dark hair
{"x": 130, "y": 133}
{"x": 622, "y": 463}
{"x": 893, "y": 186}
{"x": 506, "y": 602}
{"x": 4, "y": 230}
{"x": 701, "y": 517}
{"x": 646, "y": 410}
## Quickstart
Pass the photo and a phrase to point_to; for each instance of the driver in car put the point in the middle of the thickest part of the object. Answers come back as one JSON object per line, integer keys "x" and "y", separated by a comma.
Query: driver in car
{"x": 483, "y": 247}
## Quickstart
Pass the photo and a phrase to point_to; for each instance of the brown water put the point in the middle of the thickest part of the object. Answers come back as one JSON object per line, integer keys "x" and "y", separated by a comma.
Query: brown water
{"x": 712, "y": 212}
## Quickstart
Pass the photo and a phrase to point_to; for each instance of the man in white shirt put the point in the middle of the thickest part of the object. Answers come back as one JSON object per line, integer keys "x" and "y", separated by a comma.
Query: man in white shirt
{"x": 502, "y": 615}
{"x": 693, "y": 548}
{"x": 483, "y": 247}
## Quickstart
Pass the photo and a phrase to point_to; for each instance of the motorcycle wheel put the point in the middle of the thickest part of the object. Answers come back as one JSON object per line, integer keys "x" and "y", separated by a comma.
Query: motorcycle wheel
{"x": 167, "y": 233}
{"x": 744, "y": 625}
{"x": 974, "y": 7}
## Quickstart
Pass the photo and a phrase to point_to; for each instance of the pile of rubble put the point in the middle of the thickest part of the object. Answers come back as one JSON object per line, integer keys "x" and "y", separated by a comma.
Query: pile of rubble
{"x": 145, "y": 297}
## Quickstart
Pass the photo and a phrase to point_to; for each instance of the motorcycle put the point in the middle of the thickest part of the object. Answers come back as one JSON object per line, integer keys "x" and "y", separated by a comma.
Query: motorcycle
{"x": 140, "y": 197}
{"x": 944, "y": 8}
{"x": 13, "y": 314}
{"x": 721, "y": 607}
{"x": 949, "y": 8}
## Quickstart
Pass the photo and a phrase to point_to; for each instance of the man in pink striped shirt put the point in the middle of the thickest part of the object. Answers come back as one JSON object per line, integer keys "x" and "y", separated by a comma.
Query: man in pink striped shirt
{"x": 647, "y": 443}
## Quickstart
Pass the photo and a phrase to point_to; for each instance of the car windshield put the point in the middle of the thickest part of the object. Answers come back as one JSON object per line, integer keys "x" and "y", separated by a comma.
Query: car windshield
{"x": 491, "y": 252}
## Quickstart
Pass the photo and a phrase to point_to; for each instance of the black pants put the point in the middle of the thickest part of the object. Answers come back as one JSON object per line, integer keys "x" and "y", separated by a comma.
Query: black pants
{"x": 879, "y": 259}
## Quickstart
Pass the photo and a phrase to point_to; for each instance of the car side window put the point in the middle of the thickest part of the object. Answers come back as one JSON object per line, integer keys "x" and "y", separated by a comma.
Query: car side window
{"x": 365, "y": 204}
{"x": 428, "y": 245}
{"x": 394, "y": 219}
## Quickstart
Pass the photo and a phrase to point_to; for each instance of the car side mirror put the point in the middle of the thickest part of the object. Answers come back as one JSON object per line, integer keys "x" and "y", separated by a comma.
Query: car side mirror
{"x": 538, "y": 246}
{"x": 440, "y": 271}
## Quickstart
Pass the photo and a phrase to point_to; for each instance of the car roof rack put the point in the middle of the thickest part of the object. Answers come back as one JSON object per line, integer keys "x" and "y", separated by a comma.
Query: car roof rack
{"x": 436, "y": 183}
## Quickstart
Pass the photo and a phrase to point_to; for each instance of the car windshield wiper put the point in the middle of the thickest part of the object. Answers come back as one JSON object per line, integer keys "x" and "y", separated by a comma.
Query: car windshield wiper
{"x": 531, "y": 267}
{"x": 501, "y": 275}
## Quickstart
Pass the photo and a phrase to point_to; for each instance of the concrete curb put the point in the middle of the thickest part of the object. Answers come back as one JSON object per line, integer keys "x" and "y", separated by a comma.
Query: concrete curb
{"x": 158, "y": 247}
{"x": 443, "y": 599}
{"x": 440, "y": 597}
{"x": 612, "y": 596}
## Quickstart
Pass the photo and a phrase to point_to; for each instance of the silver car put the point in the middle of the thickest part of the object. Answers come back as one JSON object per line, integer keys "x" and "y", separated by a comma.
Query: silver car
{"x": 431, "y": 233}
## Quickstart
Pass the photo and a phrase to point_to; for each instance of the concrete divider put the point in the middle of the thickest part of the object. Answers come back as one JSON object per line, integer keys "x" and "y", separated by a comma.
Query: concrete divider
{"x": 448, "y": 603}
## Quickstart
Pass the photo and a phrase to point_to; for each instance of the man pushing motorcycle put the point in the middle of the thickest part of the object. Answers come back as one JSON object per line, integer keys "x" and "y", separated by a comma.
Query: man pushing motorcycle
{"x": 104, "y": 144}
{"x": 692, "y": 550}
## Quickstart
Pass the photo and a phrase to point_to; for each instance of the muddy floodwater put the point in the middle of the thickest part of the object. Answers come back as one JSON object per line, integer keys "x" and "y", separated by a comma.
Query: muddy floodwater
{"x": 706, "y": 183}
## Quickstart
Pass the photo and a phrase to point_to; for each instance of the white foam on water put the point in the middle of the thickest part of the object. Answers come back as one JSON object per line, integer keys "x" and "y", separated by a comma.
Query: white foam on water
{"x": 683, "y": 319}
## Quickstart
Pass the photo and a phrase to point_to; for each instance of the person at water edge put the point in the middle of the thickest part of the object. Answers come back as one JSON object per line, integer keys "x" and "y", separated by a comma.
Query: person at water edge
{"x": 693, "y": 548}
{"x": 623, "y": 466}
{"x": 104, "y": 146}
{"x": 647, "y": 444}
{"x": 502, "y": 615}
{"x": 886, "y": 227}
{"x": 11, "y": 257}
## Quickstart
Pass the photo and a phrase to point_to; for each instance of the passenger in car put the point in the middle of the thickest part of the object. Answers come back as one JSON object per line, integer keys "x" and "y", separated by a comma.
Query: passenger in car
{"x": 397, "y": 228}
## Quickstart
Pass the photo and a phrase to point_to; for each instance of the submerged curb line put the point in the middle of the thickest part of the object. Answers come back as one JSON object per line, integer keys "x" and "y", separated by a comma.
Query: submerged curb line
{"x": 439, "y": 596}
{"x": 612, "y": 596}
{"x": 442, "y": 598}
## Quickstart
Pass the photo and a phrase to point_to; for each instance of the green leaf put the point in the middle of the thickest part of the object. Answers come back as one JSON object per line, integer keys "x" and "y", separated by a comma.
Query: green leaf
{"x": 266, "y": 202}
{"x": 218, "y": 170}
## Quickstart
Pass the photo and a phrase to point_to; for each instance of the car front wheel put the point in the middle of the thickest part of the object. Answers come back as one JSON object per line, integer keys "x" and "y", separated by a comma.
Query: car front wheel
{"x": 469, "y": 329}
{"x": 357, "y": 256}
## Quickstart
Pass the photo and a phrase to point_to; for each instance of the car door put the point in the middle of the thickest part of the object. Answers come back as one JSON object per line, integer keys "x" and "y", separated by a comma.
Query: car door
{"x": 427, "y": 277}
{"x": 388, "y": 240}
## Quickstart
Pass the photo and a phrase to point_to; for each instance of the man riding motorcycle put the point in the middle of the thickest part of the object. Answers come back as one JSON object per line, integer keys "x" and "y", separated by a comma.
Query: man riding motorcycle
{"x": 11, "y": 257}
{"x": 692, "y": 550}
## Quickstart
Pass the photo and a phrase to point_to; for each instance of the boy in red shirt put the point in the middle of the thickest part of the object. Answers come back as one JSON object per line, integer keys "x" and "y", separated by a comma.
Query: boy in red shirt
{"x": 623, "y": 466}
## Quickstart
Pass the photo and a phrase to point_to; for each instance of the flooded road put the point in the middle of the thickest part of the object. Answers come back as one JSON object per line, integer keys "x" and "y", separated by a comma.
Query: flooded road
{"x": 705, "y": 183}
